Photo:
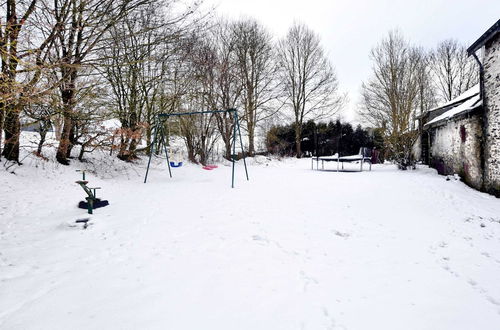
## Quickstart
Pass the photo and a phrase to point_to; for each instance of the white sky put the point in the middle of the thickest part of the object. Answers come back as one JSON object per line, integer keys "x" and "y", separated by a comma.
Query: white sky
{"x": 349, "y": 29}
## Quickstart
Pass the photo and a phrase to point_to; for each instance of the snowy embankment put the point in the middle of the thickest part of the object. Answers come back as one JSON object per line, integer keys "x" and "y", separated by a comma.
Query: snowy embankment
{"x": 290, "y": 249}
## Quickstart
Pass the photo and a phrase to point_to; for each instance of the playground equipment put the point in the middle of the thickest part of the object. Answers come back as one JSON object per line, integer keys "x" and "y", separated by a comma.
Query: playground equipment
{"x": 85, "y": 222}
{"x": 175, "y": 159}
{"x": 174, "y": 164}
{"x": 364, "y": 156}
{"x": 92, "y": 201}
{"x": 209, "y": 167}
{"x": 159, "y": 136}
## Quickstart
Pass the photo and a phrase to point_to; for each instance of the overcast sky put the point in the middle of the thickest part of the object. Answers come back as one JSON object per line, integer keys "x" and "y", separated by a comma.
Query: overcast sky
{"x": 349, "y": 29}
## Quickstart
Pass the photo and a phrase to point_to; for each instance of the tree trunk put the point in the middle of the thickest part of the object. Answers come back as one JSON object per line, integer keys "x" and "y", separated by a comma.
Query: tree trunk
{"x": 43, "y": 135}
{"x": 124, "y": 141}
{"x": 62, "y": 150}
{"x": 298, "y": 139}
{"x": 251, "y": 140}
{"x": 82, "y": 152}
{"x": 148, "y": 139}
{"x": 133, "y": 145}
{"x": 12, "y": 129}
{"x": 1, "y": 126}
{"x": 68, "y": 100}
{"x": 58, "y": 124}
{"x": 72, "y": 139}
{"x": 227, "y": 146}
{"x": 191, "y": 152}
{"x": 135, "y": 135}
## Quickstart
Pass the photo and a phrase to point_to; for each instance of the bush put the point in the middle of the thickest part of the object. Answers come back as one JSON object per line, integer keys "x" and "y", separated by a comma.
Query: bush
{"x": 319, "y": 139}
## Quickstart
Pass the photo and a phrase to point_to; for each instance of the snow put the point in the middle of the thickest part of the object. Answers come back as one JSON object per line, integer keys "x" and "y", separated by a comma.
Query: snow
{"x": 332, "y": 157}
{"x": 111, "y": 124}
{"x": 473, "y": 91}
{"x": 290, "y": 249}
{"x": 468, "y": 105}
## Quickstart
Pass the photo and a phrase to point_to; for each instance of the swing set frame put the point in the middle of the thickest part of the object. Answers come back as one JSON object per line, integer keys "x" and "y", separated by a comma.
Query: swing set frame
{"x": 159, "y": 135}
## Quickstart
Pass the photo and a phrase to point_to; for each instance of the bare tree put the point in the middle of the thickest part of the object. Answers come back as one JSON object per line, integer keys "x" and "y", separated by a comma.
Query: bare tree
{"x": 23, "y": 58}
{"x": 391, "y": 95}
{"x": 41, "y": 113}
{"x": 142, "y": 63}
{"x": 454, "y": 71}
{"x": 90, "y": 113}
{"x": 83, "y": 26}
{"x": 427, "y": 94}
{"x": 228, "y": 86}
{"x": 256, "y": 69}
{"x": 215, "y": 69}
{"x": 200, "y": 135}
{"x": 308, "y": 80}
{"x": 131, "y": 46}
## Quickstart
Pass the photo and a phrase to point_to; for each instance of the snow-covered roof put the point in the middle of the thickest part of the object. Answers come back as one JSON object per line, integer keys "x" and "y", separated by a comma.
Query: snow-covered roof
{"x": 470, "y": 104}
{"x": 474, "y": 90}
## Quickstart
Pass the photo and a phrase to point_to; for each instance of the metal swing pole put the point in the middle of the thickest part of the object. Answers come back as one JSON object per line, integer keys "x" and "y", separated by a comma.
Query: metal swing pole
{"x": 151, "y": 149}
{"x": 233, "y": 156}
{"x": 166, "y": 151}
{"x": 241, "y": 142}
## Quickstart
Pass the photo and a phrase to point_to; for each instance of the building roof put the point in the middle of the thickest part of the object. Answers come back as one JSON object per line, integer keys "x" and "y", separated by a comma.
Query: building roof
{"x": 487, "y": 36}
{"x": 471, "y": 92}
{"x": 462, "y": 109}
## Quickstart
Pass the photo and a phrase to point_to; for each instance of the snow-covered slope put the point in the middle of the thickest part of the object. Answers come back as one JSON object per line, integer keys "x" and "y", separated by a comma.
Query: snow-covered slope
{"x": 290, "y": 249}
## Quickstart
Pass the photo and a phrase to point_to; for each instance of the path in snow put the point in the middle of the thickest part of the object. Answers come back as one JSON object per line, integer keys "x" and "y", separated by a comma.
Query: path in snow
{"x": 290, "y": 249}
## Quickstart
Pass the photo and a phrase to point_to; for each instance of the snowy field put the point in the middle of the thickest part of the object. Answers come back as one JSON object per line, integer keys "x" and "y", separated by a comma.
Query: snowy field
{"x": 290, "y": 249}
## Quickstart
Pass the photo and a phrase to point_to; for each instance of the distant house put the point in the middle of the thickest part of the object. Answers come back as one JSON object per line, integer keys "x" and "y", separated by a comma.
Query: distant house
{"x": 463, "y": 135}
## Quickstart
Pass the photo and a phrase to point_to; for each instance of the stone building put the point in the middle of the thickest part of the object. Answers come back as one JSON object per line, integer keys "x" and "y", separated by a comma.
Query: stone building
{"x": 463, "y": 135}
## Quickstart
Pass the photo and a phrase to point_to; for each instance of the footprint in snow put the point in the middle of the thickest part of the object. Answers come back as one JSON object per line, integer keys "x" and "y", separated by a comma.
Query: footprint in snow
{"x": 307, "y": 280}
{"x": 341, "y": 234}
{"x": 331, "y": 320}
{"x": 443, "y": 244}
{"x": 260, "y": 239}
{"x": 493, "y": 300}
{"x": 472, "y": 282}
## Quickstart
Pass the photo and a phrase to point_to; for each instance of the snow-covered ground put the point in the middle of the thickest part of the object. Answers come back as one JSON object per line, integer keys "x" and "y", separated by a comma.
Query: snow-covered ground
{"x": 290, "y": 249}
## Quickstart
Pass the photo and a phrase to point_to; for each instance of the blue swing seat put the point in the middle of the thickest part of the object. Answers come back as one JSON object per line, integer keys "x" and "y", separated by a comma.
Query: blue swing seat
{"x": 174, "y": 164}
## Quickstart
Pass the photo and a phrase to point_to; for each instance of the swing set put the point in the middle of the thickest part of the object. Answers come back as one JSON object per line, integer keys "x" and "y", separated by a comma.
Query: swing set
{"x": 159, "y": 137}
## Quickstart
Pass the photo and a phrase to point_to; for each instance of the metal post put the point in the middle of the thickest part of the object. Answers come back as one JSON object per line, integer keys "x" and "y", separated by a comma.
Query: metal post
{"x": 151, "y": 149}
{"x": 166, "y": 151}
{"x": 233, "y": 155}
{"x": 241, "y": 142}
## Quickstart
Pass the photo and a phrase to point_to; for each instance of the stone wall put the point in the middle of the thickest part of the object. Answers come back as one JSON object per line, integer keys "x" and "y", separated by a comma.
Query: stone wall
{"x": 492, "y": 100}
{"x": 456, "y": 148}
